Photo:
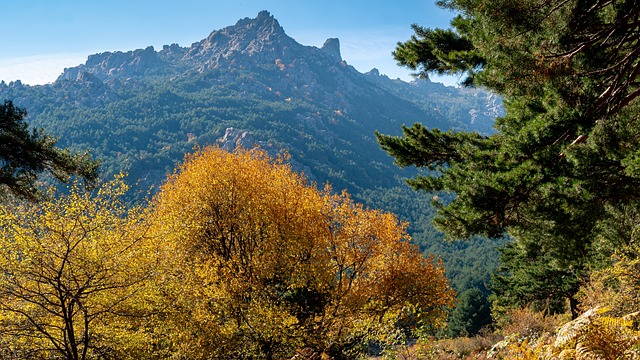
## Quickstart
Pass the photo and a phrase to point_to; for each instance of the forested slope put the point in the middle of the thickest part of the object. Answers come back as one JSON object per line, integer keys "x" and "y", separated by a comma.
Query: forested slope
{"x": 141, "y": 111}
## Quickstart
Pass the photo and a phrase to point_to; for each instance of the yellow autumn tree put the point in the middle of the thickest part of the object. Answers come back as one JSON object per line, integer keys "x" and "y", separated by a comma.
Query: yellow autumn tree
{"x": 77, "y": 278}
{"x": 270, "y": 266}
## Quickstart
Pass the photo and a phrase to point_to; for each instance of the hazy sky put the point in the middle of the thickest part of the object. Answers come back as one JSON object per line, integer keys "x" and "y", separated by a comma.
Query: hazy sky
{"x": 42, "y": 37}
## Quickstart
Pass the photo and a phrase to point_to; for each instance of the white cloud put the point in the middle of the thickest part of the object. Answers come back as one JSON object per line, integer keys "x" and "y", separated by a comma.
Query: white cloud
{"x": 38, "y": 69}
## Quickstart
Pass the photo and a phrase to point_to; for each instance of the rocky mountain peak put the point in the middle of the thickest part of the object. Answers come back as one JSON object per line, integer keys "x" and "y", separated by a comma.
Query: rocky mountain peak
{"x": 264, "y": 28}
{"x": 250, "y": 43}
{"x": 265, "y": 23}
{"x": 261, "y": 39}
{"x": 332, "y": 48}
{"x": 373, "y": 72}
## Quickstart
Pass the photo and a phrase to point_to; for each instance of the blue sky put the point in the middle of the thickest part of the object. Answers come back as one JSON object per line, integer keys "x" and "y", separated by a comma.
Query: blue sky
{"x": 42, "y": 37}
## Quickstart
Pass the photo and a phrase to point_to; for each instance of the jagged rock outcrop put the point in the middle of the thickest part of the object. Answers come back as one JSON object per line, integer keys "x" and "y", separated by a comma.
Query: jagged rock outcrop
{"x": 117, "y": 64}
{"x": 250, "y": 41}
{"x": 373, "y": 72}
{"x": 332, "y": 48}
{"x": 234, "y": 138}
{"x": 247, "y": 44}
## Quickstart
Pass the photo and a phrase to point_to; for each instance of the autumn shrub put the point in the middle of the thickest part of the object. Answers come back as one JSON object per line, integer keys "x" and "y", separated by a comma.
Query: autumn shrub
{"x": 597, "y": 335}
{"x": 528, "y": 323}
{"x": 78, "y": 277}
{"x": 271, "y": 266}
{"x": 606, "y": 329}
{"x": 456, "y": 348}
{"x": 616, "y": 287}
{"x": 609, "y": 327}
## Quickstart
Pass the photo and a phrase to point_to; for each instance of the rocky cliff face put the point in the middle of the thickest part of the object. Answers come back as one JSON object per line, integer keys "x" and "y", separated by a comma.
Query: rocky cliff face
{"x": 248, "y": 43}
{"x": 234, "y": 138}
{"x": 332, "y": 48}
{"x": 116, "y": 64}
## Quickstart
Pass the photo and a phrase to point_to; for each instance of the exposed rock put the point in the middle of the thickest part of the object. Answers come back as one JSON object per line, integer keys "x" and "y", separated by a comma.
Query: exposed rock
{"x": 332, "y": 48}
{"x": 247, "y": 44}
{"x": 373, "y": 72}
{"x": 103, "y": 65}
{"x": 87, "y": 78}
{"x": 234, "y": 138}
{"x": 173, "y": 48}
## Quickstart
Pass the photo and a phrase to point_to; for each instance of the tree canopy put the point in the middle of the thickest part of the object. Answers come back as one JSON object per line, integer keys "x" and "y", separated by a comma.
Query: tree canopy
{"x": 25, "y": 153}
{"x": 237, "y": 257}
{"x": 77, "y": 277}
{"x": 268, "y": 265}
{"x": 566, "y": 152}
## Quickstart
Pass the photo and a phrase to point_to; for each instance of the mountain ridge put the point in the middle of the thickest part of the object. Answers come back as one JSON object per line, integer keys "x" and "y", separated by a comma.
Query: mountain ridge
{"x": 252, "y": 60}
{"x": 141, "y": 111}
{"x": 249, "y": 41}
{"x": 253, "y": 63}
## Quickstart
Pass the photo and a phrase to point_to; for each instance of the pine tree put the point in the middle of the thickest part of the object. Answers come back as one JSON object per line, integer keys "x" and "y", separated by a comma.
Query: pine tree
{"x": 565, "y": 153}
{"x": 25, "y": 154}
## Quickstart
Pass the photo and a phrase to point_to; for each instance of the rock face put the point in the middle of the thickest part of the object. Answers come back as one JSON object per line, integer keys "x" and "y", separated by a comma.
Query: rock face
{"x": 373, "y": 73}
{"x": 248, "y": 43}
{"x": 116, "y": 64}
{"x": 234, "y": 138}
{"x": 332, "y": 48}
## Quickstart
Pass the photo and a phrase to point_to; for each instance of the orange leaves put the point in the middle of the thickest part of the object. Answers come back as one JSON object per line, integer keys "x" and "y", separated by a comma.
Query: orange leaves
{"x": 239, "y": 257}
{"x": 281, "y": 264}
{"x": 240, "y": 210}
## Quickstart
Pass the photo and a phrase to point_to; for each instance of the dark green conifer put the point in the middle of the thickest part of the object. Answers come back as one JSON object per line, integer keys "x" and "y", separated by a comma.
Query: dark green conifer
{"x": 25, "y": 154}
{"x": 566, "y": 152}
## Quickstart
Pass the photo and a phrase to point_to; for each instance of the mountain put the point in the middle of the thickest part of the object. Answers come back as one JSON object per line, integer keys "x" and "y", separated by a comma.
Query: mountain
{"x": 464, "y": 108}
{"x": 141, "y": 111}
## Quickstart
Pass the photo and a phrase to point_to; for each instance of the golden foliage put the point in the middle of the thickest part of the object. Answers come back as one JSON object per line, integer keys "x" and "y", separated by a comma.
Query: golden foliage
{"x": 608, "y": 330}
{"x": 269, "y": 264}
{"x": 527, "y": 334}
{"x": 75, "y": 277}
{"x": 457, "y": 348}
{"x": 529, "y": 323}
{"x": 616, "y": 287}
{"x": 594, "y": 335}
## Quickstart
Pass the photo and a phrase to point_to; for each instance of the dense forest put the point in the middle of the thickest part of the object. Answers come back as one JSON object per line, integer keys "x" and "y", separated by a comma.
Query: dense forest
{"x": 267, "y": 252}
